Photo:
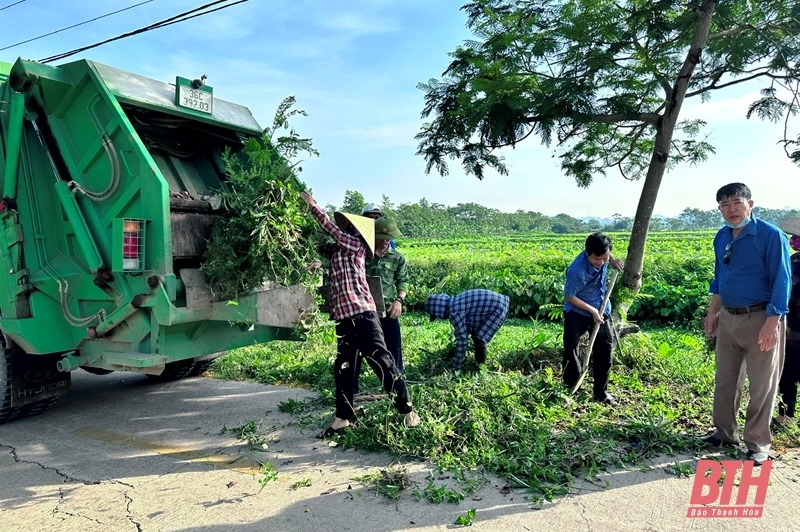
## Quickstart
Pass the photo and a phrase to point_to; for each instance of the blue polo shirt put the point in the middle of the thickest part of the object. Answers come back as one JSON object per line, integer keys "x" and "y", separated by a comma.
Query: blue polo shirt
{"x": 587, "y": 283}
{"x": 759, "y": 270}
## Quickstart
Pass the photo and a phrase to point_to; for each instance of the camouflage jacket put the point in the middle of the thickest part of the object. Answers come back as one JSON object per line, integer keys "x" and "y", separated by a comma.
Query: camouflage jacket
{"x": 391, "y": 268}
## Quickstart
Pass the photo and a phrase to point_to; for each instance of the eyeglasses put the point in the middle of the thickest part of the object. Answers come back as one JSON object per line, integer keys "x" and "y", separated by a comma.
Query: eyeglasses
{"x": 726, "y": 259}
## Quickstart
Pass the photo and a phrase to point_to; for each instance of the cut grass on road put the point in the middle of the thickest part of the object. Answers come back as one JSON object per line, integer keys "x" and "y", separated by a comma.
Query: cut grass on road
{"x": 512, "y": 417}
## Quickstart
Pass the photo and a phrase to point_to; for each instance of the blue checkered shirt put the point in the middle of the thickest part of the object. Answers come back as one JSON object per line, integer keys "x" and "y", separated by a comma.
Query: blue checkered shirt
{"x": 475, "y": 312}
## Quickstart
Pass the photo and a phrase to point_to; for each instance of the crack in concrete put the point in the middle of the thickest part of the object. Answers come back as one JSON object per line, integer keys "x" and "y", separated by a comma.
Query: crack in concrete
{"x": 583, "y": 514}
{"x": 57, "y": 512}
{"x": 134, "y": 522}
{"x": 65, "y": 476}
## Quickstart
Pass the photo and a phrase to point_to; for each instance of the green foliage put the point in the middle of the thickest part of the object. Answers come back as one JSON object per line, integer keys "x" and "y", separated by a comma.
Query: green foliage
{"x": 600, "y": 78}
{"x": 354, "y": 202}
{"x": 530, "y": 270}
{"x": 426, "y": 220}
{"x": 439, "y": 494}
{"x": 303, "y": 483}
{"x": 268, "y": 235}
{"x": 467, "y": 519}
{"x": 251, "y": 433}
{"x": 513, "y": 418}
{"x": 390, "y": 482}
{"x": 268, "y": 474}
{"x": 293, "y": 406}
{"x": 680, "y": 470}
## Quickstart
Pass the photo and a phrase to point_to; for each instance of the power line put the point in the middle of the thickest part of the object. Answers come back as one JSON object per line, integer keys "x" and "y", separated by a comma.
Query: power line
{"x": 12, "y": 5}
{"x": 181, "y": 17}
{"x": 73, "y": 26}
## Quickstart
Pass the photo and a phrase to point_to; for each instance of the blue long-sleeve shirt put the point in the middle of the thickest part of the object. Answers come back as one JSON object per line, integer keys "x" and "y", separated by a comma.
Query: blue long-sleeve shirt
{"x": 587, "y": 283}
{"x": 759, "y": 269}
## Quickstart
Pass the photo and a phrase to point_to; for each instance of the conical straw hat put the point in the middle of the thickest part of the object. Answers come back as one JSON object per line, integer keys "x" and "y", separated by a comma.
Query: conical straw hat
{"x": 790, "y": 225}
{"x": 365, "y": 227}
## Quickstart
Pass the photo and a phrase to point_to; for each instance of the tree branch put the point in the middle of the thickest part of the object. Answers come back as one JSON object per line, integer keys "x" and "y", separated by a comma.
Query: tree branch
{"x": 647, "y": 118}
{"x": 737, "y": 81}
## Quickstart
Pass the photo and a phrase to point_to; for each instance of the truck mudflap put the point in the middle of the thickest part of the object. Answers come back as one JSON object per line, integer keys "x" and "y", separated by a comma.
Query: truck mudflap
{"x": 35, "y": 379}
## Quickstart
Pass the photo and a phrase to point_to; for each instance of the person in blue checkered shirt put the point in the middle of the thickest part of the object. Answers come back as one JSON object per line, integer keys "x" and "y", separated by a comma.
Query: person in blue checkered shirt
{"x": 477, "y": 313}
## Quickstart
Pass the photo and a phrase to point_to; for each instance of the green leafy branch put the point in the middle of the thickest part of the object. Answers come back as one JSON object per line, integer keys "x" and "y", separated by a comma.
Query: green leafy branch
{"x": 268, "y": 235}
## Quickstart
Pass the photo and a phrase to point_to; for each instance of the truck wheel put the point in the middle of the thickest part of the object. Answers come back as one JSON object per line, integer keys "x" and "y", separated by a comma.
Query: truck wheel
{"x": 97, "y": 371}
{"x": 201, "y": 367}
{"x": 13, "y": 361}
{"x": 174, "y": 371}
{"x": 7, "y": 412}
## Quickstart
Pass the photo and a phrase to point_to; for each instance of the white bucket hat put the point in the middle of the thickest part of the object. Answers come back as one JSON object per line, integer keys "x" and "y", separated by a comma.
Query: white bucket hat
{"x": 365, "y": 227}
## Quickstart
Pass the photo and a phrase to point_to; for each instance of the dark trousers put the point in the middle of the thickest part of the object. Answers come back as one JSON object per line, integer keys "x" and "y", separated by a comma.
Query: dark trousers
{"x": 575, "y": 326}
{"x": 480, "y": 349}
{"x": 362, "y": 334}
{"x": 790, "y": 376}
{"x": 391, "y": 335}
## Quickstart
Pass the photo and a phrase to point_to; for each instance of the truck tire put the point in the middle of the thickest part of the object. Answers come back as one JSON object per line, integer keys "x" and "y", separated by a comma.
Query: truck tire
{"x": 7, "y": 412}
{"x": 97, "y": 371}
{"x": 11, "y": 359}
{"x": 174, "y": 371}
{"x": 200, "y": 367}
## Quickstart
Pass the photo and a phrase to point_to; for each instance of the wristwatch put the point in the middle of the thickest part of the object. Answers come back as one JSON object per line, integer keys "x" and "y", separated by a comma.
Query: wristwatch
{"x": 402, "y": 300}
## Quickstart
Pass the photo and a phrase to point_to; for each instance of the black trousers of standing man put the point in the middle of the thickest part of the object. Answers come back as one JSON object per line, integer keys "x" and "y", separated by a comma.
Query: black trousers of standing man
{"x": 575, "y": 326}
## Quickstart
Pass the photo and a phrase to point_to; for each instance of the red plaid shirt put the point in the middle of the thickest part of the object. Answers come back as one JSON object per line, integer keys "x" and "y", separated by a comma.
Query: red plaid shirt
{"x": 350, "y": 293}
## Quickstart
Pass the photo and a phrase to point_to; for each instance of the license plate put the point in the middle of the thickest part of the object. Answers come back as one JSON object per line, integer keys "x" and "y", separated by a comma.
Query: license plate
{"x": 195, "y": 99}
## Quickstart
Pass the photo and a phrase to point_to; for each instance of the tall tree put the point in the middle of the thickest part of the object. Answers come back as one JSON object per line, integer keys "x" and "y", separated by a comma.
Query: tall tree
{"x": 354, "y": 202}
{"x": 605, "y": 80}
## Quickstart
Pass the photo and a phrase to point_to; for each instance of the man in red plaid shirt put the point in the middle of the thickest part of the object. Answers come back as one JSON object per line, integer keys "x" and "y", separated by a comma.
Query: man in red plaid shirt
{"x": 358, "y": 328}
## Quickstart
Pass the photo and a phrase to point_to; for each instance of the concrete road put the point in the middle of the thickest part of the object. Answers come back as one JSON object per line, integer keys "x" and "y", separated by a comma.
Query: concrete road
{"x": 120, "y": 454}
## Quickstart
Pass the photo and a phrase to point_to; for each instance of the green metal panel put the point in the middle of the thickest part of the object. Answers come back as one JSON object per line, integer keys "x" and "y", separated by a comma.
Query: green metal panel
{"x": 152, "y": 94}
{"x": 99, "y": 150}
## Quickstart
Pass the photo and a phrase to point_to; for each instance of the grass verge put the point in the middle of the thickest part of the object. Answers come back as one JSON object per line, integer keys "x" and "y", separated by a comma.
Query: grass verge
{"x": 513, "y": 417}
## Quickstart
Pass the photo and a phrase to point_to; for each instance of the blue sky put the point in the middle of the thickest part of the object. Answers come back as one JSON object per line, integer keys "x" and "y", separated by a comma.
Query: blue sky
{"x": 354, "y": 67}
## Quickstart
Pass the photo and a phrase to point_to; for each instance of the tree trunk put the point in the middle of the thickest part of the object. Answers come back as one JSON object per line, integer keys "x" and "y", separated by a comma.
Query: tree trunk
{"x": 632, "y": 276}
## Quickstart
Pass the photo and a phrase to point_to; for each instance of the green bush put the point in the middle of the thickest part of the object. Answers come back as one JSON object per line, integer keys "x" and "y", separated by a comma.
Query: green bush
{"x": 677, "y": 270}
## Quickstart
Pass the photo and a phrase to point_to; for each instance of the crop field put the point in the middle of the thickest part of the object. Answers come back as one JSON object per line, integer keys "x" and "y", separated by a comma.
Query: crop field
{"x": 678, "y": 267}
{"x": 512, "y": 416}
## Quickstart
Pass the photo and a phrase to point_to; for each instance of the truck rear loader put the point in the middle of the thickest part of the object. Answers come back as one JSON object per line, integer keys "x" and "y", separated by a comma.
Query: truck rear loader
{"x": 109, "y": 187}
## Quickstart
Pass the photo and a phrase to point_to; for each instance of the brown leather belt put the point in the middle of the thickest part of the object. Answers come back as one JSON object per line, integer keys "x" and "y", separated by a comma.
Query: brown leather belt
{"x": 758, "y": 307}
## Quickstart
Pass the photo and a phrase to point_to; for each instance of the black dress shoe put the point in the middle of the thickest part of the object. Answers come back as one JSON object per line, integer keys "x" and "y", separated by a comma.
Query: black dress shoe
{"x": 606, "y": 399}
{"x": 757, "y": 457}
{"x": 716, "y": 442}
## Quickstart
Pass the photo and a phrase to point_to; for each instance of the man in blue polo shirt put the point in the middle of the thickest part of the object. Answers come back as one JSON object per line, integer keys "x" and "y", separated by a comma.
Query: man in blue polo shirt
{"x": 584, "y": 291}
{"x": 749, "y": 299}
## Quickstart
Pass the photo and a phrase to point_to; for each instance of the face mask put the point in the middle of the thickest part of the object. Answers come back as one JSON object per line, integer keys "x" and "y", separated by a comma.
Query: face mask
{"x": 794, "y": 242}
{"x": 739, "y": 225}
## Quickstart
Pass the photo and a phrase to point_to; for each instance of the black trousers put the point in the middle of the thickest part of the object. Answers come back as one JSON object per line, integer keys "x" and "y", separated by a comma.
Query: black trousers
{"x": 790, "y": 376}
{"x": 575, "y": 326}
{"x": 391, "y": 335}
{"x": 362, "y": 334}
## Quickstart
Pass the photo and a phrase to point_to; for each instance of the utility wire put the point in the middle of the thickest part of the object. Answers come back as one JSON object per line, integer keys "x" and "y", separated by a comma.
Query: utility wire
{"x": 74, "y": 25}
{"x": 12, "y": 5}
{"x": 181, "y": 17}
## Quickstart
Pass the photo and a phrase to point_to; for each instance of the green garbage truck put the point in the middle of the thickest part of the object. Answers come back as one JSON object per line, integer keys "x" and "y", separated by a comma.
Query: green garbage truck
{"x": 109, "y": 188}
